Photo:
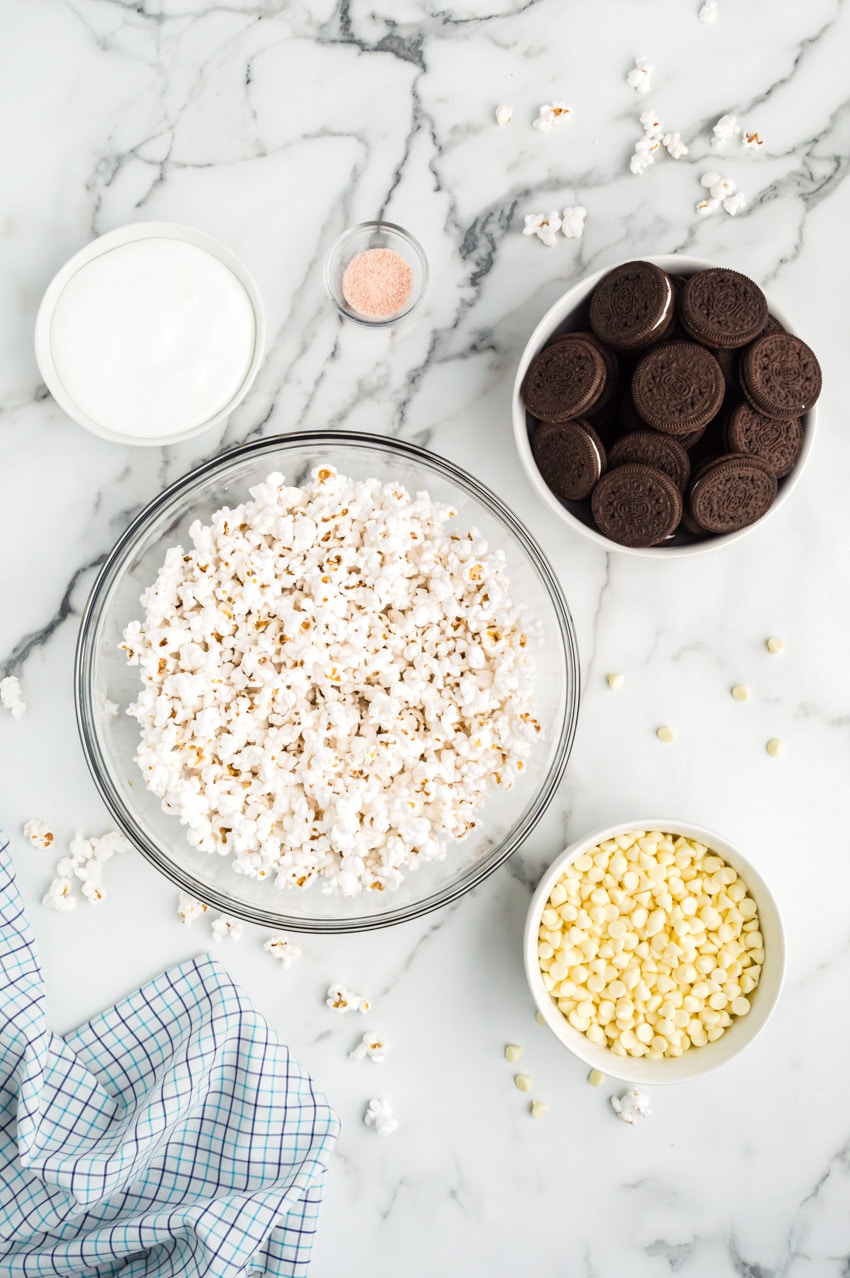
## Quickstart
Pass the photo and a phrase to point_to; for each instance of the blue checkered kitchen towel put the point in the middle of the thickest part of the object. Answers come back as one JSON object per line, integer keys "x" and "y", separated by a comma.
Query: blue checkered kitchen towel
{"x": 170, "y": 1136}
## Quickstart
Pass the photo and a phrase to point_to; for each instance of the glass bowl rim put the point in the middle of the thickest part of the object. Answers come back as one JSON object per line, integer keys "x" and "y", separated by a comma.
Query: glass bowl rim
{"x": 336, "y": 248}
{"x": 109, "y": 575}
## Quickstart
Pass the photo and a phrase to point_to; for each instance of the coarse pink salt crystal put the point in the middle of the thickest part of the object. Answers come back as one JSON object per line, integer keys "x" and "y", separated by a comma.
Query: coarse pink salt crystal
{"x": 377, "y": 283}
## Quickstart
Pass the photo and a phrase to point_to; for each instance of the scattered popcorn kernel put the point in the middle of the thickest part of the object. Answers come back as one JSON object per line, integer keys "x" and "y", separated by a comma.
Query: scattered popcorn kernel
{"x": 544, "y": 225}
{"x": 370, "y": 1046}
{"x": 39, "y": 833}
{"x": 380, "y": 1118}
{"x": 725, "y": 129}
{"x": 572, "y": 222}
{"x": 189, "y": 909}
{"x": 631, "y": 1106}
{"x": 343, "y": 1000}
{"x": 10, "y": 696}
{"x": 640, "y": 76}
{"x": 281, "y": 948}
{"x": 504, "y": 115}
{"x": 226, "y": 928}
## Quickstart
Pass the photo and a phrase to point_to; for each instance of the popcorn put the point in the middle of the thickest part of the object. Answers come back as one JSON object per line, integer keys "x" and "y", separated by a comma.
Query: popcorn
{"x": 333, "y": 679}
{"x": 224, "y": 927}
{"x": 343, "y": 1000}
{"x": 631, "y": 1106}
{"x": 572, "y": 222}
{"x": 504, "y": 115}
{"x": 10, "y": 696}
{"x": 723, "y": 194}
{"x": 549, "y": 114}
{"x": 751, "y": 141}
{"x": 110, "y": 709}
{"x": 544, "y": 226}
{"x": 674, "y": 145}
{"x": 640, "y": 76}
{"x": 60, "y": 895}
{"x": 380, "y": 1117}
{"x": 651, "y": 124}
{"x": 189, "y": 909}
{"x": 708, "y": 12}
{"x": 283, "y": 949}
{"x": 39, "y": 833}
{"x": 647, "y": 147}
{"x": 371, "y": 1046}
{"x": 724, "y": 131}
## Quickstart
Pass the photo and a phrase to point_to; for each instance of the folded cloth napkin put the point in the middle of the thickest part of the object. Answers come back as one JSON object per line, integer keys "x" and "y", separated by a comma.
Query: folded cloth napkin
{"x": 173, "y": 1135}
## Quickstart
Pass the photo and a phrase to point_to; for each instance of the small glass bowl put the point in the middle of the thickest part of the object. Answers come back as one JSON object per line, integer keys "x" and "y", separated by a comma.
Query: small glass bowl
{"x": 375, "y": 235}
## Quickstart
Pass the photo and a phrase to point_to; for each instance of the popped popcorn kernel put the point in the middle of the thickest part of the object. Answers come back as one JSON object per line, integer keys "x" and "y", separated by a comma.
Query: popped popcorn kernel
{"x": 380, "y": 1118}
{"x": 572, "y": 222}
{"x": 226, "y": 928}
{"x": 343, "y": 1000}
{"x": 189, "y": 909}
{"x": 281, "y": 948}
{"x": 370, "y": 1046}
{"x": 504, "y": 115}
{"x": 724, "y": 131}
{"x": 39, "y": 833}
{"x": 11, "y": 698}
{"x": 640, "y": 76}
{"x": 544, "y": 225}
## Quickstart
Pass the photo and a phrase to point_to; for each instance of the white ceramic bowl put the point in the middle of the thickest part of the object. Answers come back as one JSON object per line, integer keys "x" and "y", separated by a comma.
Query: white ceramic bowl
{"x": 565, "y": 316}
{"x": 699, "y": 1060}
{"x": 105, "y": 244}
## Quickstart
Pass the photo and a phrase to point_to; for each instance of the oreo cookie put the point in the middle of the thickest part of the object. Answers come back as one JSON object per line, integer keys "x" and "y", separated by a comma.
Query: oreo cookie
{"x": 570, "y": 457}
{"x": 678, "y": 387}
{"x": 777, "y": 441}
{"x": 780, "y": 375}
{"x": 722, "y": 308}
{"x": 731, "y": 492}
{"x": 564, "y": 380}
{"x": 636, "y": 505}
{"x": 632, "y": 306}
{"x": 651, "y": 448}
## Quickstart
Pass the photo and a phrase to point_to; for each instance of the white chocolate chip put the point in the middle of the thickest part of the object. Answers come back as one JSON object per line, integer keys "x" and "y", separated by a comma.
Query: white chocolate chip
{"x": 513, "y": 1051}
{"x": 665, "y": 734}
{"x": 740, "y": 693}
{"x": 596, "y": 1078}
{"x": 775, "y": 645}
{"x": 524, "y": 1082}
{"x": 538, "y": 1109}
{"x": 775, "y": 747}
{"x": 615, "y": 681}
{"x": 538, "y": 1016}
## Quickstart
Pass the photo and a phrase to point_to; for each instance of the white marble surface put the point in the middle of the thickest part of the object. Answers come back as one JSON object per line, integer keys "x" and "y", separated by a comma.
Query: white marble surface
{"x": 274, "y": 125}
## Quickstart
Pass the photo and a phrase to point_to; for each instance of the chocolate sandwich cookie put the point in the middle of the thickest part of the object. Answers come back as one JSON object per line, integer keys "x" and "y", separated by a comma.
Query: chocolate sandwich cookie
{"x": 772, "y": 326}
{"x": 651, "y": 448}
{"x": 780, "y": 375}
{"x": 564, "y": 380}
{"x": 678, "y": 387}
{"x": 722, "y": 308}
{"x": 609, "y": 359}
{"x": 776, "y": 440}
{"x": 570, "y": 457}
{"x": 636, "y": 505}
{"x": 632, "y": 306}
{"x": 731, "y": 492}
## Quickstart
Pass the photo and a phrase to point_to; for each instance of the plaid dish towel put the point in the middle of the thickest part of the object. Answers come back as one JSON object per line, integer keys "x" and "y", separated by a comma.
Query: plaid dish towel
{"x": 173, "y": 1135}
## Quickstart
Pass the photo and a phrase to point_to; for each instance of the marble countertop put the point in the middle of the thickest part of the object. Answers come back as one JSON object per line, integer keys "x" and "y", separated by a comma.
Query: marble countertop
{"x": 275, "y": 125}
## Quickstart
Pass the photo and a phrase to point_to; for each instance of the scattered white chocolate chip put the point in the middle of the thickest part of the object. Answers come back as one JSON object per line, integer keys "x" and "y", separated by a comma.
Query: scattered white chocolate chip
{"x": 665, "y": 734}
{"x": 775, "y": 645}
{"x": 538, "y": 1016}
{"x": 596, "y": 1078}
{"x": 775, "y": 747}
{"x": 39, "y": 833}
{"x": 524, "y": 1082}
{"x": 369, "y": 1046}
{"x": 380, "y": 1118}
{"x": 740, "y": 693}
{"x": 572, "y": 222}
{"x": 631, "y": 1106}
{"x": 513, "y": 1051}
{"x": 10, "y": 696}
{"x": 189, "y": 909}
{"x": 281, "y": 948}
{"x": 504, "y": 115}
{"x": 708, "y": 12}
{"x": 538, "y": 1109}
{"x": 226, "y": 928}
{"x": 615, "y": 681}
{"x": 343, "y": 1000}
{"x": 544, "y": 225}
{"x": 648, "y": 942}
{"x": 640, "y": 76}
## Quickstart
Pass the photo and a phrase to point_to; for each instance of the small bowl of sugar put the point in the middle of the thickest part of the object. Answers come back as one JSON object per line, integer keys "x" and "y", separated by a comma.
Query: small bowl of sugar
{"x": 376, "y": 274}
{"x": 654, "y": 950}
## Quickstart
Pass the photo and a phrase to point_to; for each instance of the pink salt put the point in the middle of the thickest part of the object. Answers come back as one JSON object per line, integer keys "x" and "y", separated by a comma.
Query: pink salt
{"x": 377, "y": 283}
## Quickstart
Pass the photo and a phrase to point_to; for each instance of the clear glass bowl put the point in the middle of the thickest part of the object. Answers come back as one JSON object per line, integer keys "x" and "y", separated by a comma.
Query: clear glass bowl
{"x": 375, "y": 235}
{"x": 101, "y": 675}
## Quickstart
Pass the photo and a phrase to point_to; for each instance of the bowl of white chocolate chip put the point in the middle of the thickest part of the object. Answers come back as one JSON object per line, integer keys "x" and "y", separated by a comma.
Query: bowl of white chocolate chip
{"x": 654, "y": 950}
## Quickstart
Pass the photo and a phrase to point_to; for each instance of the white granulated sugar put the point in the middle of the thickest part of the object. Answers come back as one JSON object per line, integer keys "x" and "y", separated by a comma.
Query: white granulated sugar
{"x": 334, "y": 679}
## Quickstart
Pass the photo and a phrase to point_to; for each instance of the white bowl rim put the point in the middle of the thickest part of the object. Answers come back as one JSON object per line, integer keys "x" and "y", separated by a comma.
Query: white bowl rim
{"x": 116, "y": 239}
{"x": 699, "y": 1061}
{"x": 675, "y": 263}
